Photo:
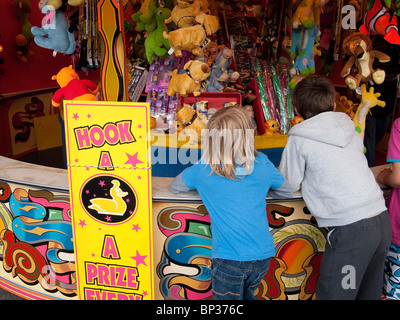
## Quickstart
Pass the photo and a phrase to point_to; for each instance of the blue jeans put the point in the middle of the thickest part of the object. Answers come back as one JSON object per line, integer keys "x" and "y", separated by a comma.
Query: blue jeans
{"x": 237, "y": 280}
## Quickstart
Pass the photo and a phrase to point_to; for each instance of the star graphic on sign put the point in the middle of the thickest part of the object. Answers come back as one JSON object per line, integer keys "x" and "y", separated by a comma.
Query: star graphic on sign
{"x": 108, "y": 218}
{"x": 136, "y": 227}
{"x": 75, "y": 116}
{"x": 89, "y": 115}
{"x": 101, "y": 183}
{"x": 133, "y": 160}
{"x": 82, "y": 223}
{"x": 144, "y": 293}
{"x": 139, "y": 259}
{"x": 139, "y": 126}
{"x": 76, "y": 160}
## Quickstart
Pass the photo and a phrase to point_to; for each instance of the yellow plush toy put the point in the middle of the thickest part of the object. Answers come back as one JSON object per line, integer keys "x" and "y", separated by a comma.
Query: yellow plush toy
{"x": 184, "y": 12}
{"x": 189, "y": 122}
{"x": 72, "y": 88}
{"x": 192, "y": 38}
{"x": 190, "y": 81}
{"x": 369, "y": 99}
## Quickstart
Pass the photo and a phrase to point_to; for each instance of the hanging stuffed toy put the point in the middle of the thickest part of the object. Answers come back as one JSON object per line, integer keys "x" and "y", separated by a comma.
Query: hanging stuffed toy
{"x": 192, "y": 38}
{"x": 359, "y": 47}
{"x": 155, "y": 44}
{"x": 369, "y": 99}
{"x": 145, "y": 17}
{"x": 379, "y": 20}
{"x": 72, "y": 88}
{"x": 58, "y": 3}
{"x": 54, "y": 34}
{"x": 184, "y": 12}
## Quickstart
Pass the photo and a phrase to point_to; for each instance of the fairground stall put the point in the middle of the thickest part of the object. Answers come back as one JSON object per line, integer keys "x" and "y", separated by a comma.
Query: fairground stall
{"x": 101, "y": 101}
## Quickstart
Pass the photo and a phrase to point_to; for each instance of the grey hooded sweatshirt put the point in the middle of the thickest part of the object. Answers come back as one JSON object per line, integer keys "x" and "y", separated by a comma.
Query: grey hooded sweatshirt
{"x": 324, "y": 158}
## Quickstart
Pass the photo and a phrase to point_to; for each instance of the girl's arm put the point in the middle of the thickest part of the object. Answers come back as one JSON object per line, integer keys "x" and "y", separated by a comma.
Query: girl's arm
{"x": 285, "y": 191}
{"x": 178, "y": 186}
{"x": 390, "y": 177}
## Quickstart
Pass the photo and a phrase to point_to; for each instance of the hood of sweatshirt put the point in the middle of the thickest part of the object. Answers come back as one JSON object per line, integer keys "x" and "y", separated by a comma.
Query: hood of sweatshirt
{"x": 334, "y": 128}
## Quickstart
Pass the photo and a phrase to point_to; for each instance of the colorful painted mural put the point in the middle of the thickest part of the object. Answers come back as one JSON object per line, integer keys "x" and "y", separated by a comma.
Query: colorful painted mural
{"x": 184, "y": 267}
{"x": 36, "y": 246}
{"x": 37, "y": 254}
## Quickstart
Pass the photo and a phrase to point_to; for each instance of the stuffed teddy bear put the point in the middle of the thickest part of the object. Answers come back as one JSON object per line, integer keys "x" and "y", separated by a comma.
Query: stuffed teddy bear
{"x": 72, "y": 88}
{"x": 359, "y": 47}
{"x": 55, "y": 35}
{"x": 184, "y": 12}
{"x": 190, "y": 81}
{"x": 155, "y": 43}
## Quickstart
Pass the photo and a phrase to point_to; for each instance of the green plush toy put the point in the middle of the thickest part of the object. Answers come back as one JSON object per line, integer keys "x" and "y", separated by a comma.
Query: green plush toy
{"x": 155, "y": 44}
{"x": 145, "y": 16}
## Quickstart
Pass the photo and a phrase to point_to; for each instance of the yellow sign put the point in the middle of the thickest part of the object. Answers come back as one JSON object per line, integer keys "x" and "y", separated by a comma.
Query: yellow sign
{"x": 109, "y": 170}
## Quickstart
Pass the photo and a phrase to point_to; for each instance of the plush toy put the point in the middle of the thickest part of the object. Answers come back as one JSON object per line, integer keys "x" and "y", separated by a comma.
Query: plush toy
{"x": 188, "y": 122}
{"x": 72, "y": 88}
{"x": 22, "y": 47}
{"x": 184, "y": 12}
{"x": 145, "y": 16}
{"x": 217, "y": 84}
{"x": 58, "y": 3}
{"x": 211, "y": 51}
{"x": 369, "y": 99}
{"x": 55, "y": 35}
{"x": 23, "y": 10}
{"x": 223, "y": 59}
{"x": 307, "y": 13}
{"x": 190, "y": 81}
{"x": 379, "y": 20}
{"x": 209, "y": 22}
{"x": 345, "y": 105}
{"x": 359, "y": 47}
{"x": 303, "y": 51}
{"x": 192, "y": 38}
{"x": 155, "y": 44}
{"x": 218, "y": 79}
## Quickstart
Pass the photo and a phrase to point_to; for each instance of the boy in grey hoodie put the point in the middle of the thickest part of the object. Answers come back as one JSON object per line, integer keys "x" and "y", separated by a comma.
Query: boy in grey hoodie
{"x": 324, "y": 158}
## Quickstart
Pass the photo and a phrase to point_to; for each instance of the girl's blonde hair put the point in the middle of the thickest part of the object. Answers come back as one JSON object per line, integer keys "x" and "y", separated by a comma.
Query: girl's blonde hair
{"x": 228, "y": 142}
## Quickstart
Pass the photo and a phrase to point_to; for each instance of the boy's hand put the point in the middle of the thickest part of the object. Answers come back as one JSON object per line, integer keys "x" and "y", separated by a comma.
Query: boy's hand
{"x": 371, "y": 97}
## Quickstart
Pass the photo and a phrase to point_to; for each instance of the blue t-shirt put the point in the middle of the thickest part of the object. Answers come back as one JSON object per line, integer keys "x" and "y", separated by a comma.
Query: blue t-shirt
{"x": 237, "y": 209}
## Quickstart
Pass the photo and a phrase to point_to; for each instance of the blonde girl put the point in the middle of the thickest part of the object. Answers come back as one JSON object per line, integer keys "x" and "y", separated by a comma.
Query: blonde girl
{"x": 233, "y": 180}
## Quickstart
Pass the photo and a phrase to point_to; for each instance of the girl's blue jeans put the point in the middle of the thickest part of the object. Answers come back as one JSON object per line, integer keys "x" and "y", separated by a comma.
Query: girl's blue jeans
{"x": 237, "y": 280}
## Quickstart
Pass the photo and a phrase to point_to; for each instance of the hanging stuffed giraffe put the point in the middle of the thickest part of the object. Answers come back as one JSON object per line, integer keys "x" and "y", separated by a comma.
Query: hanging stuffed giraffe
{"x": 369, "y": 99}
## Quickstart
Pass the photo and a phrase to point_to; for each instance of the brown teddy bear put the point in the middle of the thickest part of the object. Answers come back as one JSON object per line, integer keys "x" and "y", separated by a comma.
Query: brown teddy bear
{"x": 190, "y": 81}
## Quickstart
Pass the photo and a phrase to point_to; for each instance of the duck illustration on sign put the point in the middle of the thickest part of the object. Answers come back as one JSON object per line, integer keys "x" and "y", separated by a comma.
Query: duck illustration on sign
{"x": 115, "y": 206}
{"x": 109, "y": 198}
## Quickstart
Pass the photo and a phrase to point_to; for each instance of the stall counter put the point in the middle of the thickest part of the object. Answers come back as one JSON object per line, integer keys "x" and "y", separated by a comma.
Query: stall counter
{"x": 181, "y": 271}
